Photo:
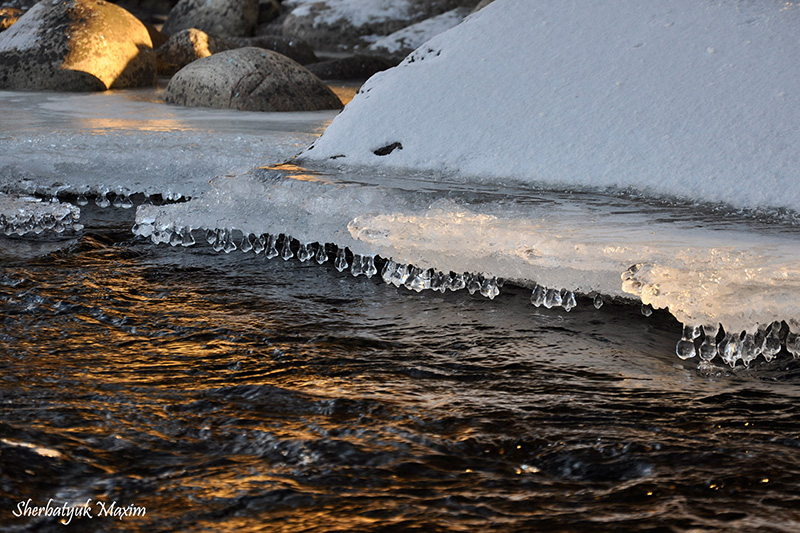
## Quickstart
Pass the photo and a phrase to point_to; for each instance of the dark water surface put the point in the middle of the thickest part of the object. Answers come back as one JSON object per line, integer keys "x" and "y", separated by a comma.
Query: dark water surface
{"x": 227, "y": 392}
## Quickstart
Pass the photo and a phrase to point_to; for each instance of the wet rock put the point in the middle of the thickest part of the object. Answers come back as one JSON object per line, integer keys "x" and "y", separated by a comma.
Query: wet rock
{"x": 223, "y": 18}
{"x": 76, "y": 45}
{"x": 8, "y": 16}
{"x": 355, "y": 67}
{"x": 336, "y": 25}
{"x": 249, "y": 79}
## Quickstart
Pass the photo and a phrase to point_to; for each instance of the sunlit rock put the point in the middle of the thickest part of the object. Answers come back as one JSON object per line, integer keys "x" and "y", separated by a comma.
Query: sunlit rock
{"x": 8, "y": 16}
{"x": 76, "y": 45}
{"x": 225, "y": 18}
{"x": 343, "y": 25}
{"x": 249, "y": 79}
{"x": 186, "y": 46}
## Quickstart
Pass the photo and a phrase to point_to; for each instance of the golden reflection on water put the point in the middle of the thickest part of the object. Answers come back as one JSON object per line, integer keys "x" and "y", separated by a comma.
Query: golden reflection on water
{"x": 296, "y": 172}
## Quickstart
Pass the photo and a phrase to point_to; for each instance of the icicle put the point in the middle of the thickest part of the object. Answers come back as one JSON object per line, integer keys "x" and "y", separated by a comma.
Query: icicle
{"x": 395, "y": 273}
{"x": 749, "y": 352}
{"x": 321, "y": 256}
{"x": 305, "y": 252}
{"x": 388, "y": 270}
{"x": 357, "y": 268}
{"x": 569, "y": 301}
{"x": 685, "y": 347}
{"x": 175, "y": 237}
{"x": 552, "y": 298}
{"x": 122, "y": 200}
{"x": 418, "y": 279}
{"x": 102, "y": 200}
{"x": 369, "y": 266}
{"x": 647, "y": 310}
{"x": 708, "y": 349}
{"x": 489, "y": 288}
{"x": 730, "y": 349}
{"x": 474, "y": 283}
{"x": 439, "y": 281}
{"x": 286, "y": 251}
{"x": 211, "y": 236}
{"x": 247, "y": 243}
{"x": 457, "y": 282}
{"x": 229, "y": 246}
{"x": 793, "y": 344}
{"x": 341, "y": 259}
{"x": 187, "y": 239}
{"x": 81, "y": 200}
{"x": 272, "y": 249}
{"x": 219, "y": 241}
{"x": 772, "y": 342}
{"x": 259, "y": 244}
{"x": 538, "y": 294}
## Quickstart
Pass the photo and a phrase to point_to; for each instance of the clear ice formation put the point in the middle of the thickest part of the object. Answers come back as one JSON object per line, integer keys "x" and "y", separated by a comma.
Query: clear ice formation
{"x": 428, "y": 240}
{"x": 718, "y": 270}
{"x": 24, "y": 215}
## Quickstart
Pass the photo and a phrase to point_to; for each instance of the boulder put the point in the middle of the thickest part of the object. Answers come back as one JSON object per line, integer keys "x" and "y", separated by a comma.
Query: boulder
{"x": 8, "y": 16}
{"x": 340, "y": 25}
{"x": 223, "y": 18}
{"x": 249, "y": 79}
{"x": 76, "y": 45}
{"x": 355, "y": 67}
{"x": 186, "y": 46}
{"x": 193, "y": 44}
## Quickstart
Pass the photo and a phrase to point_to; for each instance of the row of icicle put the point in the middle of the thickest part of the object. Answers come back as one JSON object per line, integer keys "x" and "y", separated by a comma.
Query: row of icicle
{"x": 696, "y": 341}
{"x": 37, "y": 223}
{"x": 732, "y": 348}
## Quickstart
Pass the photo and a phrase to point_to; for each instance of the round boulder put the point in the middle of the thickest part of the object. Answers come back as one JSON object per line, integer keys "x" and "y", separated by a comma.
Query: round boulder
{"x": 186, "y": 46}
{"x": 76, "y": 45}
{"x": 223, "y": 18}
{"x": 249, "y": 79}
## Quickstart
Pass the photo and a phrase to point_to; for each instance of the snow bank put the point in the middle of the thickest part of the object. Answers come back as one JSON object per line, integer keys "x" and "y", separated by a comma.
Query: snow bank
{"x": 699, "y": 99}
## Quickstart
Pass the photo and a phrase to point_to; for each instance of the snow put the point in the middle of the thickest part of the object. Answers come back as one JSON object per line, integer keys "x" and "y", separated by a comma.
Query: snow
{"x": 695, "y": 99}
{"x": 411, "y": 37}
{"x": 356, "y": 12}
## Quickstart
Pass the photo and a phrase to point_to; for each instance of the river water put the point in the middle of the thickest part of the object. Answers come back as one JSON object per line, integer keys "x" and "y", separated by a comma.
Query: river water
{"x": 205, "y": 391}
